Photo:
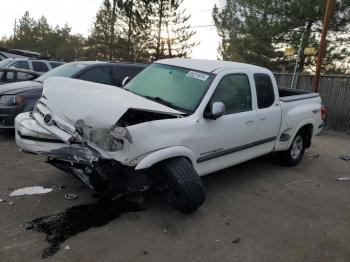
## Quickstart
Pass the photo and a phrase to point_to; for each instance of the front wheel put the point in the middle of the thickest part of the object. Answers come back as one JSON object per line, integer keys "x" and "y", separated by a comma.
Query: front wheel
{"x": 184, "y": 188}
{"x": 295, "y": 153}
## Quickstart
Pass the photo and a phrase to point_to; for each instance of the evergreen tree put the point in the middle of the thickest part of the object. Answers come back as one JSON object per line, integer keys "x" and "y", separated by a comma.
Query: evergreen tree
{"x": 255, "y": 31}
{"x": 135, "y": 29}
{"x": 171, "y": 32}
{"x": 247, "y": 29}
{"x": 103, "y": 43}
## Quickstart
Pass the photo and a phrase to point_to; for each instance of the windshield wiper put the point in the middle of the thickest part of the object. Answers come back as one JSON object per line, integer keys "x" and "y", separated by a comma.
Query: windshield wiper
{"x": 41, "y": 82}
{"x": 160, "y": 101}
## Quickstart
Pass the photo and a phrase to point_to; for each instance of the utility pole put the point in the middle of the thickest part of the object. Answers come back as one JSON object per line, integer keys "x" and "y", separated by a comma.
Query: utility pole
{"x": 293, "y": 86}
{"x": 14, "y": 29}
{"x": 322, "y": 47}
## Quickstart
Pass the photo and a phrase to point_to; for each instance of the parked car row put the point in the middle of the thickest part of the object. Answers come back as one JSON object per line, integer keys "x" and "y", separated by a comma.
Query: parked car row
{"x": 22, "y": 96}
{"x": 177, "y": 120}
{"x": 41, "y": 66}
{"x": 12, "y": 75}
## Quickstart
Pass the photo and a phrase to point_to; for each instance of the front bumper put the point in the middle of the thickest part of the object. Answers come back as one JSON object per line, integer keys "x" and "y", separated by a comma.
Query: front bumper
{"x": 79, "y": 159}
{"x": 33, "y": 138}
{"x": 8, "y": 115}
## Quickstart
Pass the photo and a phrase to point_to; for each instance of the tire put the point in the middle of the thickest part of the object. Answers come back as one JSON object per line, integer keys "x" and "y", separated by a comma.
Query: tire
{"x": 295, "y": 152}
{"x": 184, "y": 188}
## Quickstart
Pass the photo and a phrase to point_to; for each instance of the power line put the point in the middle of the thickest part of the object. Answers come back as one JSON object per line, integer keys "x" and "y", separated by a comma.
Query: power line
{"x": 198, "y": 26}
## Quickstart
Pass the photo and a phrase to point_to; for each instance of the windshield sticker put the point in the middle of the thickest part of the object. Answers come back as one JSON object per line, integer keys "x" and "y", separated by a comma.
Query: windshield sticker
{"x": 197, "y": 75}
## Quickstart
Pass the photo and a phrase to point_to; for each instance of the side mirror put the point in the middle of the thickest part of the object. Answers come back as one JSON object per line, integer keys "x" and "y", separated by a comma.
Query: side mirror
{"x": 217, "y": 109}
{"x": 125, "y": 81}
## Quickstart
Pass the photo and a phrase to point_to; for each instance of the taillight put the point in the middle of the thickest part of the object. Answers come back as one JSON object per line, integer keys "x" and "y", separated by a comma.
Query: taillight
{"x": 323, "y": 112}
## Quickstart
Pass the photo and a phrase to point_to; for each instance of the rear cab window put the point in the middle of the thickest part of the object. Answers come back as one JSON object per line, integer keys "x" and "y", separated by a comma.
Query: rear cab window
{"x": 264, "y": 90}
{"x": 39, "y": 66}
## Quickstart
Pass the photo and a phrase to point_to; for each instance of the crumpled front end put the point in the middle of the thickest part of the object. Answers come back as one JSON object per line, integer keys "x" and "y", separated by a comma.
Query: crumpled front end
{"x": 77, "y": 157}
{"x": 91, "y": 142}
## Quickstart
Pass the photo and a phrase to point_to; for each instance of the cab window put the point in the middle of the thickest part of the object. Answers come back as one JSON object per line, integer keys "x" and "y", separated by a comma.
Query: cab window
{"x": 234, "y": 91}
{"x": 264, "y": 90}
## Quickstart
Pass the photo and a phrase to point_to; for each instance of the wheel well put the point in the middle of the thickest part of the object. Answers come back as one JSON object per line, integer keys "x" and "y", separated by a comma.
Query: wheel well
{"x": 167, "y": 159}
{"x": 307, "y": 132}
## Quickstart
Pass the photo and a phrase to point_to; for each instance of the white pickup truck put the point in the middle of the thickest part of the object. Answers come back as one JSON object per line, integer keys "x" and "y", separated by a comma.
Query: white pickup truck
{"x": 176, "y": 121}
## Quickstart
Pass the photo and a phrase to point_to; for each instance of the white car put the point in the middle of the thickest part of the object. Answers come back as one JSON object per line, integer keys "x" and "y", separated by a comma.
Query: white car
{"x": 40, "y": 66}
{"x": 177, "y": 120}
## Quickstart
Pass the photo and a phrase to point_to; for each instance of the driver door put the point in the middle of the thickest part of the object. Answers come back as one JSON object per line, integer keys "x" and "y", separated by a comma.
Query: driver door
{"x": 225, "y": 141}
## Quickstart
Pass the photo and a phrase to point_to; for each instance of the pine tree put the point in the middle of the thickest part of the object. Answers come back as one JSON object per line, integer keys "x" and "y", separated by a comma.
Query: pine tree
{"x": 247, "y": 29}
{"x": 171, "y": 33}
{"x": 103, "y": 41}
{"x": 255, "y": 31}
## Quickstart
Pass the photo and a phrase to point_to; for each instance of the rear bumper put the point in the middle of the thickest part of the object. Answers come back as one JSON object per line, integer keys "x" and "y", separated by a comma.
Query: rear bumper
{"x": 320, "y": 129}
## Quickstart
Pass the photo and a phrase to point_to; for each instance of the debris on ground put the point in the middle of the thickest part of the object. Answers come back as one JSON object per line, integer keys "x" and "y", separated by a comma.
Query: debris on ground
{"x": 289, "y": 185}
{"x": 145, "y": 252}
{"x": 66, "y": 247}
{"x": 236, "y": 241}
{"x": 34, "y": 190}
{"x": 314, "y": 156}
{"x": 11, "y": 203}
{"x": 346, "y": 178}
{"x": 346, "y": 158}
{"x": 71, "y": 196}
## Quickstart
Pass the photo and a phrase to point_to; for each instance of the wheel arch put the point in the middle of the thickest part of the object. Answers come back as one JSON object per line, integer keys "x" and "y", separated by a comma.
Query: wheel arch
{"x": 307, "y": 127}
{"x": 164, "y": 154}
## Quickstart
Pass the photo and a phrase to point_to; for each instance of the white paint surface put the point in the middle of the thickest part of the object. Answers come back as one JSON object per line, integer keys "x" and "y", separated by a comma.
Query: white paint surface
{"x": 34, "y": 190}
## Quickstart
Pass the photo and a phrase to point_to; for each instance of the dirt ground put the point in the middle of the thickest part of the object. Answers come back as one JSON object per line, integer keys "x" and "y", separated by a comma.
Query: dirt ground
{"x": 257, "y": 211}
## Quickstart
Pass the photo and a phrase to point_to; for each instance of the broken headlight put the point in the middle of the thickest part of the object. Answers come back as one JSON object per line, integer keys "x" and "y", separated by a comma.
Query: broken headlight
{"x": 105, "y": 141}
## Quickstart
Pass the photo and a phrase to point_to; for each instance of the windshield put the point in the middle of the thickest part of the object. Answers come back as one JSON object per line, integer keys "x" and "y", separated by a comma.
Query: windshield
{"x": 66, "y": 70}
{"x": 5, "y": 62}
{"x": 175, "y": 87}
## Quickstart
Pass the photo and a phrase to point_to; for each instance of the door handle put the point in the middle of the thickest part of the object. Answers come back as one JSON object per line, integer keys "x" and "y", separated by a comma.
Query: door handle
{"x": 263, "y": 119}
{"x": 250, "y": 122}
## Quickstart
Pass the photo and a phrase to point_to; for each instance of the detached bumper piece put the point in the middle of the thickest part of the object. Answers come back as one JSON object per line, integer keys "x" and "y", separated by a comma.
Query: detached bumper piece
{"x": 107, "y": 177}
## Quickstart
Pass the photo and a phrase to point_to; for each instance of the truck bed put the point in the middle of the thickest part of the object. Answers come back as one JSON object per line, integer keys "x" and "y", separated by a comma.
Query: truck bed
{"x": 289, "y": 95}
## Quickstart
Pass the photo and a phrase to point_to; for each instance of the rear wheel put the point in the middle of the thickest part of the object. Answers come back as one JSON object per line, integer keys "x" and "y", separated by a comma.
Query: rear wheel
{"x": 184, "y": 188}
{"x": 296, "y": 151}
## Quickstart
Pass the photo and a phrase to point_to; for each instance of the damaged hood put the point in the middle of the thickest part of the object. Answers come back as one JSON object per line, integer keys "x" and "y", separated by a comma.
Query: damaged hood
{"x": 99, "y": 105}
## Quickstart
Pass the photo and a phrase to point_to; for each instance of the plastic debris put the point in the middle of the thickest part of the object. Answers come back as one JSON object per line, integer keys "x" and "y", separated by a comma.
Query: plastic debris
{"x": 66, "y": 247}
{"x": 31, "y": 191}
{"x": 11, "y": 203}
{"x": 314, "y": 156}
{"x": 236, "y": 241}
{"x": 346, "y": 178}
{"x": 346, "y": 158}
{"x": 71, "y": 196}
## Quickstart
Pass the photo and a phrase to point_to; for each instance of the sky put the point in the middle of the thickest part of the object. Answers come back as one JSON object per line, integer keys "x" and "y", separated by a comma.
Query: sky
{"x": 79, "y": 14}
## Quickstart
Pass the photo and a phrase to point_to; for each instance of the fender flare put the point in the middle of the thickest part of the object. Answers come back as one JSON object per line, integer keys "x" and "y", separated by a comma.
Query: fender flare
{"x": 303, "y": 123}
{"x": 163, "y": 154}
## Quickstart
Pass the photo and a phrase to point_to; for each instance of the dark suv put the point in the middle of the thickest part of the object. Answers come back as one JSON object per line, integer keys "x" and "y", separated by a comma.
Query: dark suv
{"x": 21, "y": 97}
